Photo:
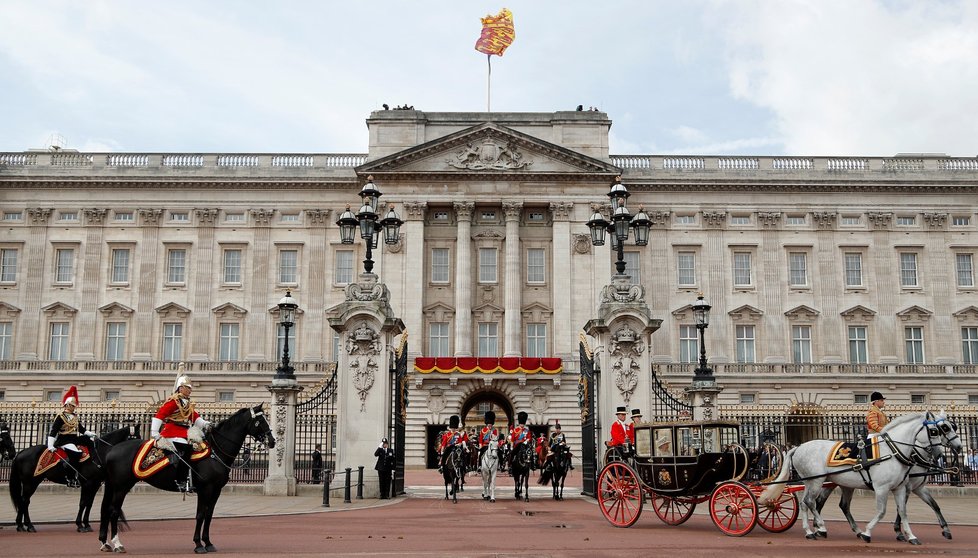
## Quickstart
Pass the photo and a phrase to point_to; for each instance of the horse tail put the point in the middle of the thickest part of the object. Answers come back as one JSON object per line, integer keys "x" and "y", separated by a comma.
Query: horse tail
{"x": 544, "y": 478}
{"x": 16, "y": 489}
{"x": 774, "y": 491}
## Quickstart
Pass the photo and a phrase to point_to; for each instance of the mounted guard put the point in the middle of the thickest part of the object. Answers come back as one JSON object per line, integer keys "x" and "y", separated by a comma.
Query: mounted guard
{"x": 521, "y": 434}
{"x": 68, "y": 433}
{"x": 177, "y": 427}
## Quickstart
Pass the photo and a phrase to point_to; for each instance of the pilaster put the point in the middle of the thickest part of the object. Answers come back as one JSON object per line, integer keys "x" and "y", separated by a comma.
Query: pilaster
{"x": 144, "y": 342}
{"x": 29, "y": 345}
{"x": 463, "y": 279}
{"x": 563, "y": 275}
{"x": 514, "y": 284}
{"x": 202, "y": 294}
{"x": 87, "y": 325}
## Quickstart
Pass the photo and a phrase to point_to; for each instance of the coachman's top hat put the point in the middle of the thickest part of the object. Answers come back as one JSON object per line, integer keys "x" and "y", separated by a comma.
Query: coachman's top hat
{"x": 877, "y": 396}
{"x": 490, "y": 417}
{"x": 453, "y": 421}
{"x": 521, "y": 417}
{"x": 636, "y": 413}
{"x": 621, "y": 411}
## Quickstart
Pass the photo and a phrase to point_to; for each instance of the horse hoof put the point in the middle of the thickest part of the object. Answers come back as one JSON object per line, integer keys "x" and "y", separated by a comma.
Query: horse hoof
{"x": 80, "y": 529}
{"x": 864, "y": 538}
{"x": 210, "y": 548}
{"x": 21, "y": 529}
{"x": 811, "y": 536}
{"x": 823, "y": 534}
{"x": 119, "y": 549}
{"x": 106, "y": 547}
{"x": 492, "y": 500}
{"x": 915, "y": 542}
{"x": 947, "y": 535}
{"x": 200, "y": 550}
{"x": 31, "y": 529}
{"x": 901, "y": 538}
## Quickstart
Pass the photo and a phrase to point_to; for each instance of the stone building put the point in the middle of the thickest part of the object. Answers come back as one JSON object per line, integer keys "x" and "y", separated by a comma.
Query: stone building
{"x": 830, "y": 277}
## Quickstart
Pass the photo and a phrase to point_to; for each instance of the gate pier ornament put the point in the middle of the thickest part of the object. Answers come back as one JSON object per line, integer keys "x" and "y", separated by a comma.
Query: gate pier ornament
{"x": 626, "y": 348}
{"x": 281, "y": 469}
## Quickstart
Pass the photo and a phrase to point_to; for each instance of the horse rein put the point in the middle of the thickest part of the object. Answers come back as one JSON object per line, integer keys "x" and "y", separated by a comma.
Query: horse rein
{"x": 213, "y": 434}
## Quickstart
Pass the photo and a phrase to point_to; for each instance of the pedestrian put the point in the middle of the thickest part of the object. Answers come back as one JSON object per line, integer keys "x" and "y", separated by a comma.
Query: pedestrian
{"x": 317, "y": 464}
{"x": 384, "y": 467}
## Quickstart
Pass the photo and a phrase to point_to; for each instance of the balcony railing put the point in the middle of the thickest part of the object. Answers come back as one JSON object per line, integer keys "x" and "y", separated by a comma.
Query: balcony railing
{"x": 201, "y": 162}
{"x": 685, "y": 164}
{"x": 135, "y": 367}
{"x": 730, "y": 369}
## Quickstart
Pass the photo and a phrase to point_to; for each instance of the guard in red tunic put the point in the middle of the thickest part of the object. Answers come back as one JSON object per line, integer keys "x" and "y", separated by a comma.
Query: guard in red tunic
{"x": 488, "y": 433}
{"x": 176, "y": 426}
{"x": 619, "y": 430}
{"x": 68, "y": 433}
{"x": 636, "y": 418}
{"x": 451, "y": 438}
{"x": 520, "y": 434}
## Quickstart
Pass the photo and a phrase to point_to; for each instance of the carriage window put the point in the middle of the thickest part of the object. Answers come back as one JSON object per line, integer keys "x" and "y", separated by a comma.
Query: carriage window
{"x": 711, "y": 440}
{"x": 688, "y": 439}
{"x": 663, "y": 442}
{"x": 643, "y": 442}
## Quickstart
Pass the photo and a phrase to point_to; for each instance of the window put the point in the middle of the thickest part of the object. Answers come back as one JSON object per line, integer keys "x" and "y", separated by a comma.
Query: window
{"x": 176, "y": 266}
{"x": 633, "y": 266}
{"x": 860, "y": 399}
{"x": 179, "y": 216}
{"x": 857, "y": 345}
{"x": 969, "y": 345}
{"x": 685, "y": 219}
{"x": 686, "y": 269}
{"x": 230, "y": 334}
{"x": 12, "y": 215}
{"x": 960, "y": 221}
{"x": 740, "y": 219}
{"x": 290, "y": 218}
{"x": 801, "y": 344}
{"x": 487, "y": 265}
{"x": 745, "y": 343}
{"x": 748, "y": 398}
{"x": 336, "y": 346}
{"x": 115, "y": 341}
{"x": 908, "y": 269}
{"x": 8, "y": 265}
{"x": 280, "y": 345}
{"x": 125, "y": 216}
{"x": 58, "y": 343}
{"x": 120, "y": 266}
{"x": 688, "y": 343}
{"x": 741, "y": 270}
{"x": 440, "y": 266}
{"x": 344, "y": 267}
{"x": 234, "y": 217}
{"x": 225, "y": 396}
{"x": 68, "y": 216}
{"x": 965, "y": 270}
{"x": 440, "y": 216}
{"x": 288, "y": 267}
{"x": 65, "y": 265}
{"x": 795, "y": 220}
{"x": 914, "y": 339}
{"x": 854, "y": 269}
{"x": 972, "y": 399}
{"x": 6, "y": 340}
{"x": 917, "y": 399}
{"x": 535, "y": 217}
{"x": 797, "y": 269}
{"x": 53, "y": 396}
{"x": 536, "y": 265}
{"x": 172, "y": 342}
{"x": 850, "y": 220}
{"x": 536, "y": 340}
{"x": 488, "y": 339}
{"x": 438, "y": 341}
{"x": 906, "y": 221}
{"x": 232, "y": 266}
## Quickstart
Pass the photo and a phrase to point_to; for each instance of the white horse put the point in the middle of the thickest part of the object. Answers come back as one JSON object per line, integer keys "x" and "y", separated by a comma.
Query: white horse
{"x": 488, "y": 466}
{"x": 899, "y": 442}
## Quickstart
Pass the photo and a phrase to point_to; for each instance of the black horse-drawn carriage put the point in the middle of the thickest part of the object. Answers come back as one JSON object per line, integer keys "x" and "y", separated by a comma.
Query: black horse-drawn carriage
{"x": 676, "y": 466}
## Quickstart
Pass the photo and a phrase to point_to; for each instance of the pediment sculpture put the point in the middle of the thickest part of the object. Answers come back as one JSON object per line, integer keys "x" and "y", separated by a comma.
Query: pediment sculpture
{"x": 488, "y": 156}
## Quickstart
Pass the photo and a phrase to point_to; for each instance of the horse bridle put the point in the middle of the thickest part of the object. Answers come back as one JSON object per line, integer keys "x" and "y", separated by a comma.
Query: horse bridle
{"x": 213, "y": 434}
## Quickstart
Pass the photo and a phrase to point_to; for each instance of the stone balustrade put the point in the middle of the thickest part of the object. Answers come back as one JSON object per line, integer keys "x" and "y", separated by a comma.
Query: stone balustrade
{"x": 135, "y": 366}
{"x": 731, "y": 369}
{"x": 642, "y": 164}
{"x": 103, "y": 163}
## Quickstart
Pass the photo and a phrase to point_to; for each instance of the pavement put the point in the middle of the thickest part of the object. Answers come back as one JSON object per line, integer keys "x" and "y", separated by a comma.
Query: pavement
{"x": 53, "y": 504}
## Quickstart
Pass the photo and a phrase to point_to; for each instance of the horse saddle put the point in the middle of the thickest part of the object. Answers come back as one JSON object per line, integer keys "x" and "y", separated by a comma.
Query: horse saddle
{"x": 48, "y": 460}
{"x": 150, "y": 459}
{"x": 848, "y": 453}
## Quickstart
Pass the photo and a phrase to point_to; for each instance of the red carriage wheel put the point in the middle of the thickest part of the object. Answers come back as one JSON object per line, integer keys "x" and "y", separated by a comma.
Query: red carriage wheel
{"x": 733, "y": 509}
{"x": 672, "y": 511}
{"x": 778, "y": 516}
{"x": 620, "y": 494}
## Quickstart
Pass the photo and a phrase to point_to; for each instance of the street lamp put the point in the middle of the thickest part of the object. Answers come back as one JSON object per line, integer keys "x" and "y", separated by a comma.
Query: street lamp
{"x": 367, "y": 219}
{"x": 701, "y": 313}
{"x": 286, "y": 313}
{"x": 622, "y": 222}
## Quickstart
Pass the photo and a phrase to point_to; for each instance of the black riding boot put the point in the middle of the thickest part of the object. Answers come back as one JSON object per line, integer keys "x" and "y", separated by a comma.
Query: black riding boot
{"x": 71, "y": 469}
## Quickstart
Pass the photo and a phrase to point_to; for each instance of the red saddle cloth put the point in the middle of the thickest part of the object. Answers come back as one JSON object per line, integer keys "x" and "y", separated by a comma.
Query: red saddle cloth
{"x": 150, "y": 459}
{"x": 48, "y": 460}
{"x": 847, "y": 453}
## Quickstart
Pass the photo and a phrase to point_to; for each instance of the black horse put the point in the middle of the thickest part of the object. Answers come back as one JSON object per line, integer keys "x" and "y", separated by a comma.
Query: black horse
{"x": 452, "y": 470}
{"x": 520, "y": 469}
{"x": 91, "y": 473}
{"x": 556, "y": 474}
{"x": 7, "y": 450}
{"x": 210, "y": 475}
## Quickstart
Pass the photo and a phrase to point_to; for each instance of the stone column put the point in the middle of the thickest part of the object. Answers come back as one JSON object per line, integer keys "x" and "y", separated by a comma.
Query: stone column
{"x": 281, "y": 460}
{"x": 563, "y": 345}
{"x": 463, "y": 279}
{"x": 367, "y": 326}
{"x": 412, "y": 238}
{"x": 512, "y": 347}
{"x": 29, "y": 345}
{"x": 145, "y": 284}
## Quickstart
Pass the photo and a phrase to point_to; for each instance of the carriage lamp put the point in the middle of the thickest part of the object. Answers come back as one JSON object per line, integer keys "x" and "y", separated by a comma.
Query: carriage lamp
{"x": 368, "y": 220}
{"x": 622, "y": 223}
{"x": 286, "y": 312}
{"x": 701, "y": 313}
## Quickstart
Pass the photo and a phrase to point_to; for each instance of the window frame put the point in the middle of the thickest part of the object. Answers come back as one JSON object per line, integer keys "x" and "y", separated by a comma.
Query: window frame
{"x": 680, "y": 254}
{"x": 802, "y": 346}
{"x": 490, "y": 338}
{"x": 281, "y": 265}
{"x": 846, "y": 270}
{"x": 748, "y": 343}
{"x": 688, "y": 345}
{"x": 855, "y": 343}
{"x": 792, "y": 271}
{"x": 115, "y": 346}
{"x": 59, "y": 267}
{"x": 439, "y": 342}
{"x": 169, "y": 253}
{"x": 485, "y": 267}
{"x": 970, "y": 271}
{"x": 913, "y": 345}
{"x": 6, "y": 339}
{"x": 536, "y": 340}
{"x": 734, "y": 269}
{"x": 164, "y": 341}
{"x": 338, "y": 269}
{"x": 239, "y": 266}
{"x": 439, "y": 267}
{"x": 9, "y": 270}
{"x": 114, "y": 268}
{"x": 63, "y": 335}
{"x": 904, "y": 258}
{"x": 229, "y": 345}
{"x": 540, "y": 267}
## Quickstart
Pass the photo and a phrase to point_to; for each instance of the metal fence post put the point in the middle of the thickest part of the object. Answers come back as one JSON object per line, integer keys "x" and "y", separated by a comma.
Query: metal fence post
{"x": 346, "y": 488}
{"x": 360, "y": 482}
{"x": 328, "y": 476}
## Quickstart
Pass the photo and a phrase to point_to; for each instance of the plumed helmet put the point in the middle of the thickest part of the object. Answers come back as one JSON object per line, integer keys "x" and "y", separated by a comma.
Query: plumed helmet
{"x": 877, "y": 396}
{"x": 70, "y": 397}
{"x": 454, "y": 421}
{"x": 521, "y": 417}
{"x": 182, "y": 378}
{"x": 490, "y": 417}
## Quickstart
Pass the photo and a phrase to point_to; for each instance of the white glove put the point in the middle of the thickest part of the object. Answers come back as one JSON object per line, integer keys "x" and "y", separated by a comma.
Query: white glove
{"x": 154, "y": 430}
{"x": 202, "y": 424}
{"x": 91, "y": 434}
{"x": 51, "y": 444}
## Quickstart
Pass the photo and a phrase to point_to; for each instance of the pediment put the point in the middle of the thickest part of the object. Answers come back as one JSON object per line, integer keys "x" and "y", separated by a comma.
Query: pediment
{"x": 116, "y": 310}
{"x": 968, "y": 313}
{"x": 8, "y": 310}
{"x": 680, "y": 313}
{"x": 536, "y": 312}
{"x": 274, "y": 311}
{"x": 915, "y": 314}
{"x": 802, "y": 312}
{"x": 745, "y": 313}
{"x": 439, "y": 312}
{"x": 172, "y": 310}
{"x": 858, "y": 312}
{"x": 59, "y": 310}
{"x": 229, "y": 310}
{"x": 492, "y": 149}
{"x": 487, "y": 312}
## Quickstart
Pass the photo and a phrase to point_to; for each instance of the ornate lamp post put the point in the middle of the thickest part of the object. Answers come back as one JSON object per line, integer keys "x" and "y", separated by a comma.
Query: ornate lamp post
{"x": 622, "y": 222}
{"x": 701, "y": 313}
{"x": 367, "y": 219}
{"x": 286, "y": 313}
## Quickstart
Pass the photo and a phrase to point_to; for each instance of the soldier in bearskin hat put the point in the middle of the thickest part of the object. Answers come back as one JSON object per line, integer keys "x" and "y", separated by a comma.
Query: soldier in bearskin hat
{"x": 451, "y": 438}
{"x": 177, "y": 426}
{"x": 488, "y": 433}
{"x": 520, "y": 434}
{"x": 68, "y": 433}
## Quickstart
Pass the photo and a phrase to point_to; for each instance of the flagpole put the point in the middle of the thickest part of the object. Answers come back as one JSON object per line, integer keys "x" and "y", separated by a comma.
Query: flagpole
{"x": 488, "y": 83}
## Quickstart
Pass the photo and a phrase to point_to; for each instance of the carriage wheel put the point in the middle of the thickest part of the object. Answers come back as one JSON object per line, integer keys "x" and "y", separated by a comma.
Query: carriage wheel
{"x": 620, "y": 495}
{"x": 733, "y": 509}
{"x": 778, "y": 516}
{"x": 740, "y": 452}
{"x": 672, "y": 511}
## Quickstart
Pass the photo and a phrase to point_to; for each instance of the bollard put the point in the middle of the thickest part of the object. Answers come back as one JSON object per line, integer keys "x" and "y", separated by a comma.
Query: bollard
{"x": 346, "y": 487}
{"x": 360, "y": 482}
{"x": 328, "y": 476}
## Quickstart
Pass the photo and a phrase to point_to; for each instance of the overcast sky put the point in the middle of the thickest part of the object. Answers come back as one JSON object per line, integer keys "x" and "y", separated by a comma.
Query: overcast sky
{"x": 795, "y": 77}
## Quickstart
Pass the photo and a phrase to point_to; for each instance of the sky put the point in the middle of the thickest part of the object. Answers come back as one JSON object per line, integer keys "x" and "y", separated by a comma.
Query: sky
{"x": 744, "y": 77}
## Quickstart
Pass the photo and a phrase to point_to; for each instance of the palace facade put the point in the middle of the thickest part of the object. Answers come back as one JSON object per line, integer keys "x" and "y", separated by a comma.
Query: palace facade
{"x": 829, "y": 277}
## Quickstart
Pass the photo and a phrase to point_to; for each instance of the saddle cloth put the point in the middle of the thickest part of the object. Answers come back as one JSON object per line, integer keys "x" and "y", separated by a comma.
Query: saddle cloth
{"x": 847, "y": 453}
{"x": 48, "y": 459}
{"x": 151, "y": 459}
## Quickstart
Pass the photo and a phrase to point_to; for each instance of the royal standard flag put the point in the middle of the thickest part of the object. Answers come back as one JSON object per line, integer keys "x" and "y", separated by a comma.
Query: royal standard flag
{"x": 497, "y": 33}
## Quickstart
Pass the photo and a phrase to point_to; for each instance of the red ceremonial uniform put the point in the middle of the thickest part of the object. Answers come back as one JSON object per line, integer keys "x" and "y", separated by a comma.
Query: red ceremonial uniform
{"x": 618, "y": 433}
{"x": 519, "y": 434}
{"x": 541, "y": 448}
{"x": 449, "y": 439}
{"x": 177, "y": 417}
{"x": 486, "y": 434}
{"x": 631, "y": 432}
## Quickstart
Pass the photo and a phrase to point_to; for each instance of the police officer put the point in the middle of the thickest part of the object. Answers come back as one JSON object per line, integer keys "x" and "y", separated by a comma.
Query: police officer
{"x": 68, "y": 433}
{"x": 384, "y": 467}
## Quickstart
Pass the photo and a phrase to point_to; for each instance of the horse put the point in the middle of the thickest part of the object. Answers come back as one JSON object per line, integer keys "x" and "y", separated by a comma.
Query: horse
{"x": 899, "y": 441}
{"x": 452, "y": 470}
{"x": 225, "y": 440}
{"x": 488, "y": 466}
{"x": 557, "y": 473}
{"x": 23, "y": 483}
{"x": 7, "y": 449}
{"x": 523, "y": 458}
